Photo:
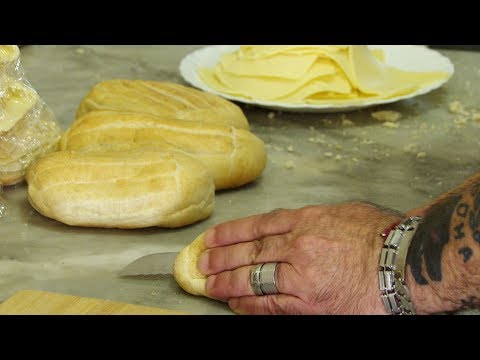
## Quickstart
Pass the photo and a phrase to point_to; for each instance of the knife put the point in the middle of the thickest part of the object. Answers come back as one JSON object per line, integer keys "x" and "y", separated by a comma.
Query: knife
{"x": 150, "y": 265}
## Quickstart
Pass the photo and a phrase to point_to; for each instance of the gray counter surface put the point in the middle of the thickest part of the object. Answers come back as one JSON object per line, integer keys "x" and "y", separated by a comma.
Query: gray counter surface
{"x": 312, "y": 158}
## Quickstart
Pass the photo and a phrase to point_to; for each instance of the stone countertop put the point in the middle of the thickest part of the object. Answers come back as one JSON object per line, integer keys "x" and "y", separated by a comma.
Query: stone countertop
{"x": 312, "y": 158}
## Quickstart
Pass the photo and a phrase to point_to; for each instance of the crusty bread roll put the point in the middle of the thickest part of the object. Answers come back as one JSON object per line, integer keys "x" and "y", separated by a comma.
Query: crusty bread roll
{"x": 35, "y": 134}
{"x": 185, "y": 268}
{"x": 121, "y": 187}
{"x": 233, "y": 156}
{"x": 163, "y": 99}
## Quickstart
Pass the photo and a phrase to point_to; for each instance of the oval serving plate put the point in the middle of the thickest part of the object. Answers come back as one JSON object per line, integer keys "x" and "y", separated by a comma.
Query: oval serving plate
{"x": 405, "y": 57}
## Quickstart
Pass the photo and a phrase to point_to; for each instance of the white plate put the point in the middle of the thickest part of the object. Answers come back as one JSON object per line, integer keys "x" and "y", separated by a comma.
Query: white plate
{"x": 405, "y": 57}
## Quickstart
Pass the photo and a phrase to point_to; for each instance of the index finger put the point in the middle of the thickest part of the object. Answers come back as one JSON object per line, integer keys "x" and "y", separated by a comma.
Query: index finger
{"x": 251, "y": 228}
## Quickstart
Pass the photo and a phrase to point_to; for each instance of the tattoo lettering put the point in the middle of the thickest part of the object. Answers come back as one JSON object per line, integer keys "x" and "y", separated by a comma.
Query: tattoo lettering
{"x": 466, "y": 252}
{"x": 431, "y": 237}
{"x": 459, "y": 234}
{"x": 462, "y": 210}
{"x": 459, "y": 211}
{"x": 475, "y": 216}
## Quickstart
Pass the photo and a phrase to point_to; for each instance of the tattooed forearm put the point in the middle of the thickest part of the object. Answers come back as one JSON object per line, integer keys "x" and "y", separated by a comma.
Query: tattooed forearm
{"x": 455, "y": 219}
{"x": 430, "y": 239}
{"x": 471, "y": 302}
{"x": 466, "y": 252}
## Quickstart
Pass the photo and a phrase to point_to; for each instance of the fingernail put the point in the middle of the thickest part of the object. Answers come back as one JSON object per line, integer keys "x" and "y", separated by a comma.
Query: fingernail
{"x": 203, "y": 261}
{"x": 210, "y": 283}
{"x": 209, "y": 235}
{"x": 233, "y": 303}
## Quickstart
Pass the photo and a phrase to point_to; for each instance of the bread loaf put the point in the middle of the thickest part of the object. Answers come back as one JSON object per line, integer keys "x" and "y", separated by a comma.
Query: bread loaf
{"x": 143, "y": 153}
{"x": 185, "y": 268}
{"x": 121, "y": 187}
{"x": 233, "y": 156}
{"x": 163, "y": 99}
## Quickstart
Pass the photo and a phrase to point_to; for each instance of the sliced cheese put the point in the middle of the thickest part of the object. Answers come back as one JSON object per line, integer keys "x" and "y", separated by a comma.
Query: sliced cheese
{"x": 312, "y": 74}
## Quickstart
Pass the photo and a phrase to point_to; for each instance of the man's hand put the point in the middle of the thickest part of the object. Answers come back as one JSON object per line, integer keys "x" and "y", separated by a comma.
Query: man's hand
{"x": 328, "y": 259}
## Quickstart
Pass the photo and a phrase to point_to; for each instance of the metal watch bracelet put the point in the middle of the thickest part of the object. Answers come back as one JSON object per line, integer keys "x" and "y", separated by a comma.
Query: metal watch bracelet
{"x": 391, "y": 275}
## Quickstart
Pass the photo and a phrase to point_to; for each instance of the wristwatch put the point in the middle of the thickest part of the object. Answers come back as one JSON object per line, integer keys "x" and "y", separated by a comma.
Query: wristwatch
{"x": 391, "y": 274}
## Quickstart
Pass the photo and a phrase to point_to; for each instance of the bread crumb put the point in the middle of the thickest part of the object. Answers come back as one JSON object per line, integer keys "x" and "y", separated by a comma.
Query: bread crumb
{"x": 80, "y": 51}
{"x": 338, "y": 157}
{"x": 271, "y": 115}
{"x": 456, "y": 107}
{"x": 421, "y": 155}
{"x": 390, "y": 124}
{"x": 476, "y": 117}
{"x": 311, "y": 128}
{"x": 289, "y": 164}
{"x": 290, "y": 148}
{"x": 410, "y": 148}
{"x": 386, "y": 115}
{"x": 423, "y": 126}
{"x": 347, "y": 123}
{"x": 460, "y": 121}
{"x": 367, "y": 141}
{"x": 316, "y": 140}
{"x": 328, "y": 154}
{"x": 355, "y": 160}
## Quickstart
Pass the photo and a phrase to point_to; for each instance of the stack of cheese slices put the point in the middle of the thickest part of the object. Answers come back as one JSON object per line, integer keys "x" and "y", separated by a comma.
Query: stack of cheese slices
{"x": 145, "y": 153}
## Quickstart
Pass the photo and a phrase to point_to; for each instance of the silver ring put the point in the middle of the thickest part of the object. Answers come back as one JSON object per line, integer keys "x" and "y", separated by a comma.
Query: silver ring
{"x": 255, "y": 280}
{"x": 263, "y": 279}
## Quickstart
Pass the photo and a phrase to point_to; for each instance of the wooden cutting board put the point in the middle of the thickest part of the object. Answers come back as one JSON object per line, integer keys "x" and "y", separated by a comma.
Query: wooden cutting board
{"x": 33, "y": 302}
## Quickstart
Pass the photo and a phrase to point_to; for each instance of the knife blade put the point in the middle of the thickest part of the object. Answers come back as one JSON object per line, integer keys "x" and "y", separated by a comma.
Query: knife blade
{"x": 149, "y": 265}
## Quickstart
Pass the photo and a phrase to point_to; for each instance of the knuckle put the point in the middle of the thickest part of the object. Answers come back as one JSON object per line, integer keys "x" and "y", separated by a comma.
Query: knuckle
{"x": 255, "y": 251}
{"x": 305, "y": 242}
{"x": 273, "y": 306}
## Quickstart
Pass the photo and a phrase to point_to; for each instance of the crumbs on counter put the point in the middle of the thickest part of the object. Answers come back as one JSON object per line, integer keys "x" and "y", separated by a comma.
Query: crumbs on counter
{"x": 390, "y": 124}
{"x": 460, "y": 121}
{"x": 456, "y": 107}
{"x": 290, "y": 164}
{"x": 421, "y": 155}
{"x": 410, "y": 148}
{"x": 271, "y": 115}
{"x": 347, "y": 123}
{"x": 386, "y": 115}
{"x": 476, "y": 117}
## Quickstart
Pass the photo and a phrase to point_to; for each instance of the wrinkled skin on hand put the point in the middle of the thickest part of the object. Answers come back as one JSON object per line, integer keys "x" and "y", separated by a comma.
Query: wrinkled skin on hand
{"x": 328, "y": 259}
